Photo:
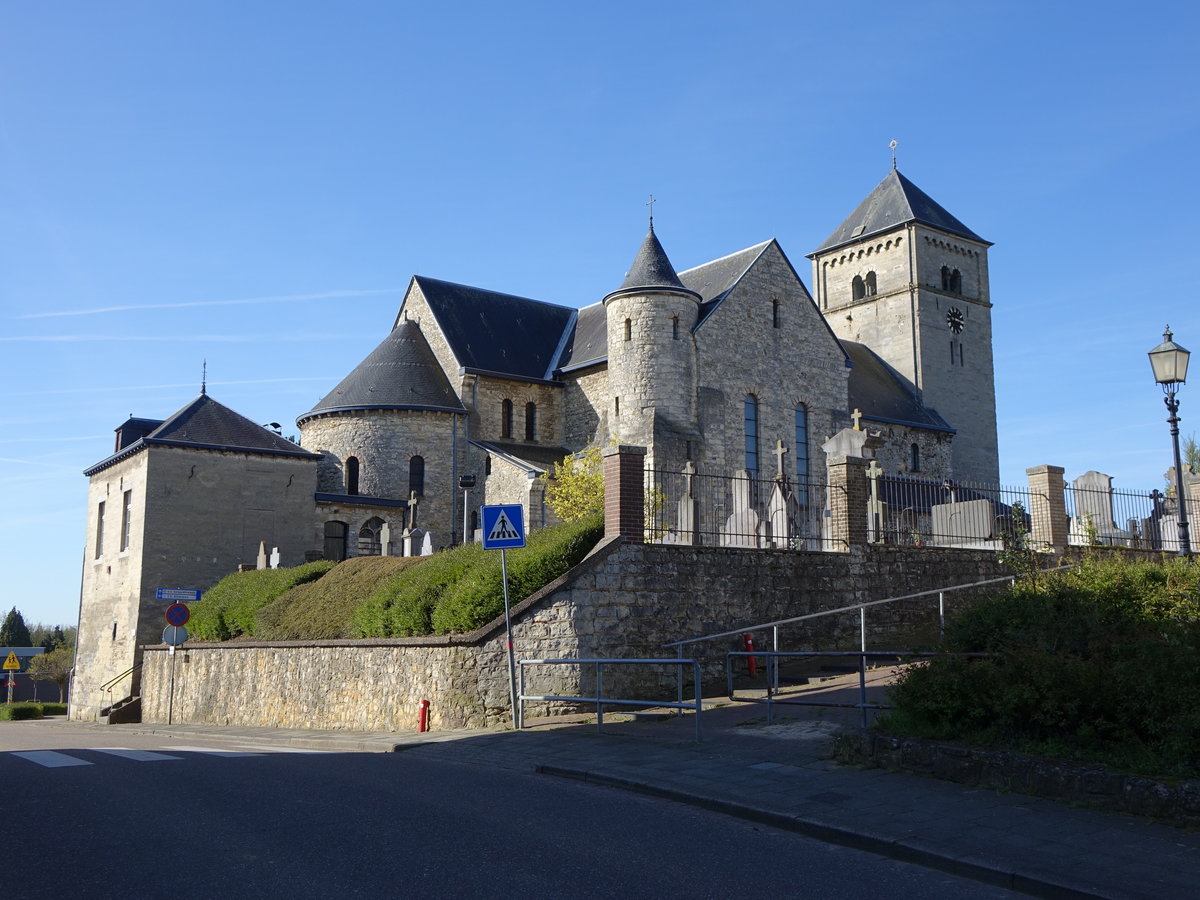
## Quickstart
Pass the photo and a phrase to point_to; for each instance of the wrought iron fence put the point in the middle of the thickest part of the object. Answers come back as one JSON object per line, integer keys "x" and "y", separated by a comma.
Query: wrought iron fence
{"x": 1101, "y": 516}
{"x": 721, "y": 511}
{"x": 919, "y": 512}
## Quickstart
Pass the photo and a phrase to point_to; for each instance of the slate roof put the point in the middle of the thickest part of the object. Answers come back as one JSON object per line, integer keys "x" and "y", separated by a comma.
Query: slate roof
{"x": 497, "y": 334}
{"x": 895, "y": 201}
{"x": 531, "y": 457}
{"x": 587, "y": 341}
{"x": 401, "y": 373}
{"x": 205, "y": 424}
{"x": 714, "y": 280}
{"x": 881, "y": 394}
{"x": 651, "y": 270}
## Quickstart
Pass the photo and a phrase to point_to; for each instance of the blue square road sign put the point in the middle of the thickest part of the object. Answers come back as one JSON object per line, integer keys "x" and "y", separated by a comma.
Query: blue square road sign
{"x": 503, "y": 527}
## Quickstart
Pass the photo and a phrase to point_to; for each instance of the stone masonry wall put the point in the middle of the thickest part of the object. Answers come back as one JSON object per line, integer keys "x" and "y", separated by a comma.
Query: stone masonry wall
{"x": 625, "y": 600}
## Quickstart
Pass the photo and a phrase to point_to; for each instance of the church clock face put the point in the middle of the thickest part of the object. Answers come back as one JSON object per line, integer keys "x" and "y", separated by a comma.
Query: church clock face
{"x": 955, "y": 320}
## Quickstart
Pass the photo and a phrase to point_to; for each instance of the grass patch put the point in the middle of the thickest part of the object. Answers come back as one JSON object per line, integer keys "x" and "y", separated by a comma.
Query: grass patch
{"x": 1098, "y": 664}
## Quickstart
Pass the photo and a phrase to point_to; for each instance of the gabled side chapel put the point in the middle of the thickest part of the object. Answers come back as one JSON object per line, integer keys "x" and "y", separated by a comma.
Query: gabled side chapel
{"x": 714, "y": 365}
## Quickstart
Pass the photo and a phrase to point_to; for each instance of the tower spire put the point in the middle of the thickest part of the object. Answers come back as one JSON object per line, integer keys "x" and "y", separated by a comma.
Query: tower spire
{"x": 650, "y": 203}
{"x": 204, "y": 378}
{"x": 893, "y": 143}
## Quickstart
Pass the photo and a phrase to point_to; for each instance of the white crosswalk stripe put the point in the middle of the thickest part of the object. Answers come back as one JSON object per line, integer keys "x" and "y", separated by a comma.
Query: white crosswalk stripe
{"x": 51, "y": 759}
{"x": 138, "y": 755}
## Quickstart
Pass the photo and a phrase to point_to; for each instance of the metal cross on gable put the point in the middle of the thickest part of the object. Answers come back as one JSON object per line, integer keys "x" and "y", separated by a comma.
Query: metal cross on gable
{"x": 650, "y": 203}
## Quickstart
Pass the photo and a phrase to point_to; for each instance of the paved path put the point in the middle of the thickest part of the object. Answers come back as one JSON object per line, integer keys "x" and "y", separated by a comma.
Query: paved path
{"x": 781, "y": 775}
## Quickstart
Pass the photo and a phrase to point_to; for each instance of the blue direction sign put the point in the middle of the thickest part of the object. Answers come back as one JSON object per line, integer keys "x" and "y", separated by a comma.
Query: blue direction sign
{"x": 503, "y": 527}
{"x": 177, "y": 595}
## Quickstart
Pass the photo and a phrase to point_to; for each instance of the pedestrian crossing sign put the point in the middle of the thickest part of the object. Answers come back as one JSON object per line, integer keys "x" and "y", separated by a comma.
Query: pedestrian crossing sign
{"x": 503, "y": 527}
{"x": 13, "y": 663}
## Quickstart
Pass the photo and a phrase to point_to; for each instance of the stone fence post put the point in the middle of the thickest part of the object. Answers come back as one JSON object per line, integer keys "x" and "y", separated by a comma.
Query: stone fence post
{"x": 625, "y": 492}
{"x": 1048, "y": 507}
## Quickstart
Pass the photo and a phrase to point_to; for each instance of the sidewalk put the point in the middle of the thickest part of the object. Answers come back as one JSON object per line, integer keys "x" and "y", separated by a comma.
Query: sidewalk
{"x": 780, "y": 776}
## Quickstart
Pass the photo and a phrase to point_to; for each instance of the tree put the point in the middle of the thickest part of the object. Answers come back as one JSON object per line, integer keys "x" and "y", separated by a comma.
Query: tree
{"x": 575, "y": 486}
{"x": 14, "y": 632}
{"x": 53, "y": 666}
{"x": 54, "y": 639}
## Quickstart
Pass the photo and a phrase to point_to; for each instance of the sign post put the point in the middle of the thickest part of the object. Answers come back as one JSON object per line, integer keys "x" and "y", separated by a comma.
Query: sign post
{"x": 504, "y": 530}
{"x": 11, "y": 665}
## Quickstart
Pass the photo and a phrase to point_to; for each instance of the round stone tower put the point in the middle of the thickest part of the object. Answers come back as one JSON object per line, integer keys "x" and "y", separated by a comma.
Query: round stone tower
{"x": 652, "y": 358}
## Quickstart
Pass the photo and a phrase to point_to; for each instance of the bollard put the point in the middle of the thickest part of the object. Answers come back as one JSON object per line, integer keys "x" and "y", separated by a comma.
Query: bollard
{"x": 422, "y": 716}
{"x": 751, "y": 663}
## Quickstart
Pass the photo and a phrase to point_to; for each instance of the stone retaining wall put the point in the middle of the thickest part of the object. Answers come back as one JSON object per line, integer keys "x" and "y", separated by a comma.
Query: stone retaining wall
{"x": 624, "y": 600}
{"x": 998, "y": 770}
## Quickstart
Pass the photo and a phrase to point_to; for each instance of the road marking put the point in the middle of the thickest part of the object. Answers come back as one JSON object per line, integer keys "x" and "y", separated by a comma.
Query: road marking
{"x": 51, "y": 759}
{"x": 138, "y": 755}
{"x": 212, "y": 752}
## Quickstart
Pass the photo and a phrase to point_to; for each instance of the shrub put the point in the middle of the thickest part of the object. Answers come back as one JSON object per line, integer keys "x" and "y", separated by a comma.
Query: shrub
{"x": 229, "y": 608}
{"x": 325, "y": 609}
{"x": 15, "y": 712}
{"x": 1097, "y": 664}
{"x": 54, "y": 709}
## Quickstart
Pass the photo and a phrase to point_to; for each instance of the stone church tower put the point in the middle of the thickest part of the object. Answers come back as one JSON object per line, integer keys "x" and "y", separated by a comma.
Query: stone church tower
{"x": 652, "y": 357}
{"x": 909, "y": 280}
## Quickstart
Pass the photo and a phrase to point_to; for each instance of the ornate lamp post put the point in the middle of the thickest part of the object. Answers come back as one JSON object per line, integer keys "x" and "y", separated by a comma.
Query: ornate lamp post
{"x": 1170, "y": 363}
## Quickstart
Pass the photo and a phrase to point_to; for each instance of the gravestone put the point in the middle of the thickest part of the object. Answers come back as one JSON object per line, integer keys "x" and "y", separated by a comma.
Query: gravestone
{"x": 385, "y": 540}
{"x": 963, "y": 522}
{"x": 1093, "y": 519}
{"x": 687, "y": 514}
{"x": 262, "y": 555}
{"x": 780, "y": 515}
{"x": 274, "y": 561}
{"x": 411, "y": 541}
{"x": 427, "y": 544}
{"x": 741, "y": 528}
{"x": 876, "y": 508}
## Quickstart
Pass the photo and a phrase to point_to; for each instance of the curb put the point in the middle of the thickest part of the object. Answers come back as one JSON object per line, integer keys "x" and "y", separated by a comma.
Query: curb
{"x": 830, "y": 834}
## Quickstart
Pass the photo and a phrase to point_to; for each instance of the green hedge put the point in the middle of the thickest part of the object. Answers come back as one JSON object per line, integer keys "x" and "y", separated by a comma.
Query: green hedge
{"x": 461, "y": 589}
{"x": 1098, "y": 664}
{"x": 229, "y": 607}
{"x": 54, "y": 709}
{"x": 15, "y": 712}
{"x": 325, "y": 609}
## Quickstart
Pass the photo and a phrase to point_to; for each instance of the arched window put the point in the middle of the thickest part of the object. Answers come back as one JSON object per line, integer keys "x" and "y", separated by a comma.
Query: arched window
{"x": 774, "y": 312}
{"x": 506, "y": 416}
{"x": 370, "y": 537}
{"x": 335, "y": 540}
{"x": 945, "y": 278}
{"x": 802, "y": 454}
{"x": 530, "y": 421}
{"x": 914, "y": 458}
{"x": 616, "y": 407}
{"x": 870, "y": 284}
{"x": 858, "y": 290}
{"x": 956, "y": 282}
{"x": 416, "y": 476}
{"x": 675, "y": 328}
{"x": 352, "y": 475}
{"x": 629, "y": 329}
{"x": 751, "y": 429}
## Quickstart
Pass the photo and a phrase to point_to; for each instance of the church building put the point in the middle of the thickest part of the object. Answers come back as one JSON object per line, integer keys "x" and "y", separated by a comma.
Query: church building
{"x": 711, "y": 367}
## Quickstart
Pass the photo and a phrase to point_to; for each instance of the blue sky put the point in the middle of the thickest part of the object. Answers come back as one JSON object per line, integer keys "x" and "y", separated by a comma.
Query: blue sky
{"x": 253, "y": 183}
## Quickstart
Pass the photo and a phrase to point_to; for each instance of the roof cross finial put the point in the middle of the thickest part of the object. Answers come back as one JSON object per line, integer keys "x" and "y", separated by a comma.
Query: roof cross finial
{"x": 204, "y": 378}
{"x": 893, "y": 144}
{"x": 650, "y": 203}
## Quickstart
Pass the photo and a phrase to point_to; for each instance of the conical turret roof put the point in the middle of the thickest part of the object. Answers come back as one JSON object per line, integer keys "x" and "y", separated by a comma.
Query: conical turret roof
{"x": 895, "y": 201}
{"x": 401, "y": 373}
{"x": 651, "y": 270}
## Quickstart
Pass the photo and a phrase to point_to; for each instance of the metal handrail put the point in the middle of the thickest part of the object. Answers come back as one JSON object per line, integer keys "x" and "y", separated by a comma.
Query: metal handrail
{"x": 112, "y": 682}
{"x": 600, "y": 700}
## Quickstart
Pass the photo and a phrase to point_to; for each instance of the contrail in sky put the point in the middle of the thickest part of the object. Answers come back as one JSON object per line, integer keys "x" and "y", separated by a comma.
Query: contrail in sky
{"x": 247, "y": 300}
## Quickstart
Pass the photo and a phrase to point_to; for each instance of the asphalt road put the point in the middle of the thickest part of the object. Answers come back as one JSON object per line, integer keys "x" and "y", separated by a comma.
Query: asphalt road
{"x": 157, "y": 817}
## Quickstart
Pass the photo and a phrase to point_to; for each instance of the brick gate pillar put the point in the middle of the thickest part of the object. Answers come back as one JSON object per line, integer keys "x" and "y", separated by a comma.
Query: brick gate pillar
{"x": 1048, "y": 507}
{"x": 847, "y": 500}
{"x": 625, "y": 492}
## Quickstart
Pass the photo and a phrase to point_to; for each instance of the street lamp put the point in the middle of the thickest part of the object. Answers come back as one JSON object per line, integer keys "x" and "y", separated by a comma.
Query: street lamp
{"x": 466, "y": 482}
{"x": 1170, "y": 363}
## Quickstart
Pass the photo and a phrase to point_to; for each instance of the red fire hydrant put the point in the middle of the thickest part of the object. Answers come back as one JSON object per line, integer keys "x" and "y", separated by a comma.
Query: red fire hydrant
{"x": 422, "y": 716}
{"x": 751, "y": 663}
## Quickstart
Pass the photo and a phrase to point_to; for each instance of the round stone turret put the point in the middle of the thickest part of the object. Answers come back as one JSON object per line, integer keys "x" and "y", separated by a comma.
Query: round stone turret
{"x": 651, "y": 351}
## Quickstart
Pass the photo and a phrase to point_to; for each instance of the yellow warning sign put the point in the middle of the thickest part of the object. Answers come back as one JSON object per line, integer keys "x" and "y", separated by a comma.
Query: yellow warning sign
{"x": 12, "y": 662}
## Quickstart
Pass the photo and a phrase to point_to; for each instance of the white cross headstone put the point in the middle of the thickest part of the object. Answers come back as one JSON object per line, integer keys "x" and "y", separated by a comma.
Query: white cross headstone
{"x": 274, "y": 558}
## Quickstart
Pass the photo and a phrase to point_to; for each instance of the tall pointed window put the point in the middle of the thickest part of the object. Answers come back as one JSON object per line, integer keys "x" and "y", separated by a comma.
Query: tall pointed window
{"x": 914, "y": 458}
{"x": 352, "y": 475}
{"x": 751, "y": 429}
{"x": 416, "y": 476}
{"x": 100, "y": 529}
{"x": 675, "y": 328}
{"x": 774, "y": 312}
{"x": 629, "y": 329}
{"x": 531, "y": 421}
{"x": 506, "y": 419}
{"x": 802, "y": 454}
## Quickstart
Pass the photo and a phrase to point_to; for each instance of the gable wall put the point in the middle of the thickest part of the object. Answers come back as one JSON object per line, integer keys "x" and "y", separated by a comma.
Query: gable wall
{"x": 587, "y": 403}
{"x": 741, "y": 352}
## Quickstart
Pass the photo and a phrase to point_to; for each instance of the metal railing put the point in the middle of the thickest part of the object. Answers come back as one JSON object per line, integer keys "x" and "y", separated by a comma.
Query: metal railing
{"x": 917, "y": 512}
{"x": 1100, "y": 516}
{"x": 723, "y": 511}
{"x": 772, "y": 698}
{"x": 861, "y": 608}
{"x": 599, "y": 699}
{"x": 113, "y": 682}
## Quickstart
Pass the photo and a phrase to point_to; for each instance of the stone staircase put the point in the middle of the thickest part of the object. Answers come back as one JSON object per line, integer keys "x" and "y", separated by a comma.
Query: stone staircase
{"x": 123, "y": 712}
